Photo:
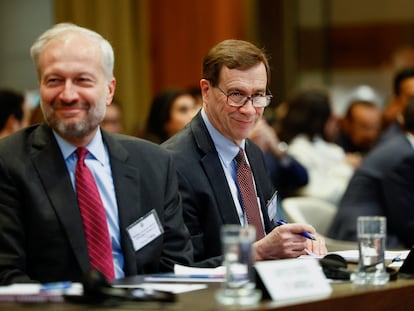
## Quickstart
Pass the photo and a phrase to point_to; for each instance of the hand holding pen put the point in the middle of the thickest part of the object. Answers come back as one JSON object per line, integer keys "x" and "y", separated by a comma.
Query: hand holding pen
{"x": 285, "y": 241}
{"x": 307, "y": 235}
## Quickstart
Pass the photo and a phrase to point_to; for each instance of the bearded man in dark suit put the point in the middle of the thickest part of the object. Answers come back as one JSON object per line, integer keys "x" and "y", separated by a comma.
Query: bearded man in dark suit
{"x": 42, "y": 233}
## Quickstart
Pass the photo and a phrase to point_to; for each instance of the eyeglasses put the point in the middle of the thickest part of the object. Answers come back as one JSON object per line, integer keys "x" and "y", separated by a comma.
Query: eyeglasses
{"x": 235, "y": 99}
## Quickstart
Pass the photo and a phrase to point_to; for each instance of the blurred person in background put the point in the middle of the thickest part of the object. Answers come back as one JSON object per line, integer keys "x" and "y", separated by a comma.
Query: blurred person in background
{"x": 11, "y": 112}
{"x": 360, "y": 127}
{"x": 170, "y": 111}
{"x": 285, "y": 172}
{"x": 403, "y": 88}
{"x": 196, "y": 92}
{"x": 36, "y": 115}
{"x": 383, "y": 185}
{"x": 112, "y": 121}
{"x": 309, "y": 128}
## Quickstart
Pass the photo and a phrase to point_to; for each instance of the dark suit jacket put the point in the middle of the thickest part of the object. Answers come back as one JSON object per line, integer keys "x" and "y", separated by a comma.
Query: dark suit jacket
{"x": 41, "y": 233}
{"x": 207, "y": 200}
{"x": 286, "y": 177}
{"x": 382, "y": 185}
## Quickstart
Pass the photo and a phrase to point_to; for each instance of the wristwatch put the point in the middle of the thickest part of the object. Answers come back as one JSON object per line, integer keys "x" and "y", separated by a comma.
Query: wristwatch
{"x": 282, "y": 147}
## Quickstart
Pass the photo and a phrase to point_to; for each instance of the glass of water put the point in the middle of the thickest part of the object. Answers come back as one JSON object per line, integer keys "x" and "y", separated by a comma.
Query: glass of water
{"x": 239, "y": 287}
{"x": 372, "y": 232}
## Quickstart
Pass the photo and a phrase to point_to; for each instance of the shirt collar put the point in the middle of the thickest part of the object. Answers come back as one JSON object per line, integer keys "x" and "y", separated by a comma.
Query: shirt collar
{"x": 95, "y": 147}
{"x": 226, "y": 149}
{"x": 410, "y": 138}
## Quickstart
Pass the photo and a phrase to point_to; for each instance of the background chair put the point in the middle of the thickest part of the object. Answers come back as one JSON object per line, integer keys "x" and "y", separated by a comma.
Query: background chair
{"x": 319, "y": 214}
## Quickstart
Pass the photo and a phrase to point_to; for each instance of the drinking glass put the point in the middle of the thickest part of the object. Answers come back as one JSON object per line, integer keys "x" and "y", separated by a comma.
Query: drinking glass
{"x": 239, "y": 287}
{"x": 371, "y": 244}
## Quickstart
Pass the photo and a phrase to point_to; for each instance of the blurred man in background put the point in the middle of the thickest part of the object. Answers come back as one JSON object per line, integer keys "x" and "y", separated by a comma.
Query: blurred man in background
{"x": 360, "y": 128}
{"x": 11, "y": 112}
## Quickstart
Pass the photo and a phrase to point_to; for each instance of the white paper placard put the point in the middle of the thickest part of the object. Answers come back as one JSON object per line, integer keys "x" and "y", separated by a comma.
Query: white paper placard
{"x": 293, "y": 278}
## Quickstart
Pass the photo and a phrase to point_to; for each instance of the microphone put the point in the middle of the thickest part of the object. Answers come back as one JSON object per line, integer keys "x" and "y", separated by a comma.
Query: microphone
{"x": 97, "y": 290}
{"x": 334, "y": 267}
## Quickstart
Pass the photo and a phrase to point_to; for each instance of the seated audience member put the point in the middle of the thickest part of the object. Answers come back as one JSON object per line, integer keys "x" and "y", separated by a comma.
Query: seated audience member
{"x": 196, "y": 92}
{"x": 286, "y": 174}
{"x": 383, "y": 185}
{"x": 170, "y": 111}
{"x": 112, "y": 121}
{"x": 36, "y": 115}
{"x": 403, "y": 88}
{"x": 56, "y": 222}
{"x": 11, "y": 112}
{"x": 215, "y": 160}
{"x": 308, "y": 127}
{"x": 360, "y": 128}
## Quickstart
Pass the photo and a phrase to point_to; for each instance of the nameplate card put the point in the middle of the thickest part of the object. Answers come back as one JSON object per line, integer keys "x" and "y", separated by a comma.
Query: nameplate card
{"x": 293, "y": 279}
{"x": 145, "y": 230}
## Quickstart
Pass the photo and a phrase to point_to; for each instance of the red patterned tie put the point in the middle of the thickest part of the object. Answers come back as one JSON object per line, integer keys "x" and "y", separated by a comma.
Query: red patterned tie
{"x": 248, "y": 194}
{"x": 94, "y": 218}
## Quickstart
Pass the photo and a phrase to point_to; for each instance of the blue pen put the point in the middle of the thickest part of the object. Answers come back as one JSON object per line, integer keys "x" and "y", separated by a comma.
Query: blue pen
{"x": 47, "y": 287}
{"x": 190, "y": 276}
{"x": 397, "y": 259}
{"x": 281, "y": 222}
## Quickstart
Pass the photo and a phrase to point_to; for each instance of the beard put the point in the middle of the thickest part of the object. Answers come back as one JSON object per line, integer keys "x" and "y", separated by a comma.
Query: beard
{"x": 74, "y": 129}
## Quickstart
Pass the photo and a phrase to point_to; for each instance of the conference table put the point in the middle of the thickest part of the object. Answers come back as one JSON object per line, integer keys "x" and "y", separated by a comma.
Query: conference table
{"x": 396, "y": 295}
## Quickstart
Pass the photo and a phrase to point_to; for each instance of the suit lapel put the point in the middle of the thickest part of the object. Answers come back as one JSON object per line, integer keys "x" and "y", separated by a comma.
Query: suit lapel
{"x": 214, "y": 171}
{"x": 50, "y": 165}
{"x": 126, "y": 182}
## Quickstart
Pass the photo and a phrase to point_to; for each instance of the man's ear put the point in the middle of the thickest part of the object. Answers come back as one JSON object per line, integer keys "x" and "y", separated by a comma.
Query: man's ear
{"x": 111, "y": 91}
{"x": 205, "y": 87}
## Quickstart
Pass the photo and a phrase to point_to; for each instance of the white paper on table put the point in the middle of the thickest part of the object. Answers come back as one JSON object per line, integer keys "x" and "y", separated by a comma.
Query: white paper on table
{"x": 352, "y": 255}
{"x": 175, "y": 288}
{"x": 185, "y": 270}
{"x": 20, "y": 289}
{"x": 185, "y": 274}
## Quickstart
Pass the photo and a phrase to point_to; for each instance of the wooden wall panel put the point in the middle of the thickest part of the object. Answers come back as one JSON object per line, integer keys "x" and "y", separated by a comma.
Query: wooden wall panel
{"x": 353, "y": 46}
{"x": 182, "y": 31}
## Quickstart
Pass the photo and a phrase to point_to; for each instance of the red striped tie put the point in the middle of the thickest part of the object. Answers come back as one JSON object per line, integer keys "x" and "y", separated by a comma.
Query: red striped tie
{"x": 94, "y": 218}
{"x": 248, "y": 194}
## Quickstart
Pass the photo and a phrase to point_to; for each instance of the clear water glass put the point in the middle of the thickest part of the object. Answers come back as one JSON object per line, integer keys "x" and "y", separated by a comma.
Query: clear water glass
{"x": 371, "y": 243}
{"x": 239, "y": 287}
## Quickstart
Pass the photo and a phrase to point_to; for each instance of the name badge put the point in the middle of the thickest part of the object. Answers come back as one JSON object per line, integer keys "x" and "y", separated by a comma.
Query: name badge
{"x": 272, "y": 206}
{"x": 145, "y": 230}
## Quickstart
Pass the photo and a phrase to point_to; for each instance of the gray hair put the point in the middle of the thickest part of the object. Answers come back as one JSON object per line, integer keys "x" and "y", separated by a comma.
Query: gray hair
{"x": 60, "y": 30}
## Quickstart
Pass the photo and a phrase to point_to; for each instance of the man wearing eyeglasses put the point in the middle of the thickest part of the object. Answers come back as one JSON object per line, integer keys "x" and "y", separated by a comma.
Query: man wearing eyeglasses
{"x": 235, "y": 92}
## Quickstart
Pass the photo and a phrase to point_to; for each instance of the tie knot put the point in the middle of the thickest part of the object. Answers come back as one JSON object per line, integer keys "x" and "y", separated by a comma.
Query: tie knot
{"x": 240, "y": 157}
{"x": 81, "y": 152}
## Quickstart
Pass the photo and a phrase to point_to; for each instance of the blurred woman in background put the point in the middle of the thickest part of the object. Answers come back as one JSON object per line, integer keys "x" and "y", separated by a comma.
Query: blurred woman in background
{"x": 309, "y": 127}
{"x": 170, "y": 111}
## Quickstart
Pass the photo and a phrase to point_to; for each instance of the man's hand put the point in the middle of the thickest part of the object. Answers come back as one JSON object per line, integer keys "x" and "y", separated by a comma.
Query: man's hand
{"x": 287, "y": 242}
